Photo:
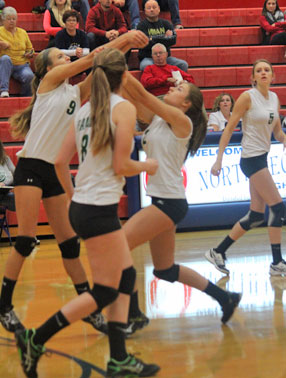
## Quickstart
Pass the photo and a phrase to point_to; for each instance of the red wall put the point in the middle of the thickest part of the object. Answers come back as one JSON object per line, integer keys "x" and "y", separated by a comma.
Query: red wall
{"x": 24, "y": 6}
{"x": 27, "y": 5}
{"x": 221, "y": 4}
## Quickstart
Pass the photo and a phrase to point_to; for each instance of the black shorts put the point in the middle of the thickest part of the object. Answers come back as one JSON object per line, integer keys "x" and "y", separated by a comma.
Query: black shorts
{"x": 251, "y": 165}
{"x": 89, "y": 221}
{"x": 37, "y": 172}
{"x": 176, "y": 209}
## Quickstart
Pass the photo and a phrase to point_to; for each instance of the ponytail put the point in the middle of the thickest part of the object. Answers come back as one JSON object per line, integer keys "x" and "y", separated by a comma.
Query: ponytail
{"x": 197, "y": 114}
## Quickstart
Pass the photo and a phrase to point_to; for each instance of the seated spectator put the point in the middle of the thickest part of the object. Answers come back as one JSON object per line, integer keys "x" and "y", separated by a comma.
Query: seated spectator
{"x": 173, "y": 7}
{"x": 16, "y": 50}
{"x": 273, "y": 24}
{"x": 104, "y": 23}
{"x": 7, "y": 169}
{"x": 53, "y": 18}
{"x": 159, "y": 31}
{"x": 2, "y": 6}
{"x": 82, "y": 6}
{"x": 72, "y": 41}
{"x": 132, "y": 7}
{"x": 160, "y": 76}
{"x": 222, "y": 109}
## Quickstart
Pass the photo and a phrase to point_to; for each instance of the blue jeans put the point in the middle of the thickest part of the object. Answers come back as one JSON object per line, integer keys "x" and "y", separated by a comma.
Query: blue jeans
{"x": 182, "y": 64}
{"x": 133, "y": 8}
{"x": 83, "y": 7}
{"x": 22, "y": 73}
{"x": 172, "y": 6}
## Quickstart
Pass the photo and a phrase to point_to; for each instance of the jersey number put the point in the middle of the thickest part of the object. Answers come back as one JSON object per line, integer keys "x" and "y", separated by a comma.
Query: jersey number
{"x": 71, "y": 107}
{"x": 84, "y": 144}
{"x": 271, "y": 117}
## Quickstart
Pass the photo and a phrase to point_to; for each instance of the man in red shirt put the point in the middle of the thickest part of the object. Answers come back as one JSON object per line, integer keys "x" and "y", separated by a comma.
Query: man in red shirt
{"x": 160, "y": 76}
{"x": 104, "y": 23}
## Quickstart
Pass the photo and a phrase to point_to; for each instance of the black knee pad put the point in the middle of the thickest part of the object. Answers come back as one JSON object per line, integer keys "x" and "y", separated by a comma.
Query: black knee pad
{"x": 276, "y": 215}
{"x": 70, "y": 248}
{"x": 251, "y": 219}
{"x": 127, "y": 281}
{"x": 24, "y": 245}
{"x": 170, "y": 274}
{"x": 103, "y": 295}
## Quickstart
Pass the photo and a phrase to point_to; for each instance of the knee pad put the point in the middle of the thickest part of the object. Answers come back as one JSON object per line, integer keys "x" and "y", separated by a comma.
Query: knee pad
{"x": 127, "y": 281}
{"x": 276, "y": 215}
{"x": 170, "y": 274}
{"x": 103, "y": 295}
{"x": 251, "y": 219}
{"x": 24, "y": 245}
{"x": 70, "y": 248}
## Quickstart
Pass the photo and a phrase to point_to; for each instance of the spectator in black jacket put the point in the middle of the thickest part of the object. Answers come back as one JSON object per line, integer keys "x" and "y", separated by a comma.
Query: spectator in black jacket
{"x": 159, "y": 31}
{"x": 173, "y": 7}
{"x": 72, "y": 41}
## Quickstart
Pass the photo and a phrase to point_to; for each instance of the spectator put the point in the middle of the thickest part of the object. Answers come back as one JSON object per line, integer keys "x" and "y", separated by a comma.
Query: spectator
{"x": 221, "y": 112}
{"x": 160, "y": 76}
{"x": 72, "y": 41}
{"x": 132, "y": 7}
{"x": 81, "y": 6}
{"x": 7, "y": 169}
{"x": 173, "y": 7}
{"x": 2, "y": 6}
{"x": 273, "y": 24}
{"x": 104, "y": 23}
{"x": 159, "y": 31}
{"x": 53, "y": 18}
{"x": 16, "y": 50}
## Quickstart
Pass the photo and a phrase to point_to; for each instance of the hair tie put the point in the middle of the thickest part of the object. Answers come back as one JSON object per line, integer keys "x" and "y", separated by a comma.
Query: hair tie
{"x": 100, "y": 66}
{"x": 38, "y": 76}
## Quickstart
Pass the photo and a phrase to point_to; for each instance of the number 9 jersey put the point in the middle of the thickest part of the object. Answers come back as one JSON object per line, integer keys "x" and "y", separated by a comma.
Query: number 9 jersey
{"x": 51, "y": 118}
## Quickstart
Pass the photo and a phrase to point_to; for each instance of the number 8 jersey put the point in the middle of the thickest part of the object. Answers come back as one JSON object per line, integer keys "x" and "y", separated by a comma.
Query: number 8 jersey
{"x": 52, "y": 115}
{"x": 96, "y": 182}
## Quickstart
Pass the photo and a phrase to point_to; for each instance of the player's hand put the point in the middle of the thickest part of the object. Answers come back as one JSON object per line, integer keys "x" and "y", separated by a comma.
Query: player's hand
{"x": 137, "y": 39}
{"x": 216, "y": 168}
{"x": 152, "y": 166}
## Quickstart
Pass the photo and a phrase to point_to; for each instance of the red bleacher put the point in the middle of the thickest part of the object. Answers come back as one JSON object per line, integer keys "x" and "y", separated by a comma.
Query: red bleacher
{"x": 220, "y": 46}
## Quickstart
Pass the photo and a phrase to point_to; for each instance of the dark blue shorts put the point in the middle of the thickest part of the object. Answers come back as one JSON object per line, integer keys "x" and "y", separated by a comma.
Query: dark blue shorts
{"x": 37, "y": 172}
{"x": 176, "y": 209}
{"x": 251, "y": 165}
{"x": 89, "y": 221}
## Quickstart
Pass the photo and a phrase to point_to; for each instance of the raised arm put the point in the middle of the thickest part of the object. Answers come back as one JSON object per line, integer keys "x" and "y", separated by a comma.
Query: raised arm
{"x": 175, "y": 117}
{"x": 241, "y": 106}
{"x": 124, "y": 116}
{"x": 63, "y": 159}
{"x": 64, "y": 71}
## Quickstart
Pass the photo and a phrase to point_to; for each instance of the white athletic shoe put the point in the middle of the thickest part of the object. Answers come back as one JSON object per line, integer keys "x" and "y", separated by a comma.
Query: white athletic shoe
{"x": 278, "y": 269}
{"x": 217, "y": 260}
{"x": 4, "y": 94}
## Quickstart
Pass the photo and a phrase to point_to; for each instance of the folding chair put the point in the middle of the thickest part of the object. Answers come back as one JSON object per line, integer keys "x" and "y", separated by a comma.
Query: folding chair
{"x": 4, "y": 225}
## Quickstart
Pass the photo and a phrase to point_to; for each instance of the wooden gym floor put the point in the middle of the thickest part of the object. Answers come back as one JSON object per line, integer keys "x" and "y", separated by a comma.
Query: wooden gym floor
{"x": 185, "y": 336}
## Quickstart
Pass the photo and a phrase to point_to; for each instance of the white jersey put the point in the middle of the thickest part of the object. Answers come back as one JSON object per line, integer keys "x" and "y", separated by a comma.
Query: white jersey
{"x": 51, "y": 117}
{"x": 159, "y": 142}
{"x": 218, "y": 119}
{"x": 96, "y": 182}
{"x": 258, "y": 123}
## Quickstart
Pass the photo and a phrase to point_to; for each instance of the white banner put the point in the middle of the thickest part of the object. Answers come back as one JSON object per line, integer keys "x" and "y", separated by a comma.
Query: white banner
{"x": 230, "y": 186}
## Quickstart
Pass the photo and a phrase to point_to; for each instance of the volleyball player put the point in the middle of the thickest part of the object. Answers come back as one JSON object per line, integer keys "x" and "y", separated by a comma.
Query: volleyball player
{"x": 102, "y": 135}
{"x": 259, "y": 110}
{"x": 177, "y": 127}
